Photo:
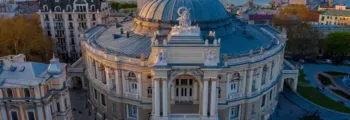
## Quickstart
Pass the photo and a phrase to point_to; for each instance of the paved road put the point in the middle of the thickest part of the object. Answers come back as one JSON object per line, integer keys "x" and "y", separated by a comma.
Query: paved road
{"x": 78, "y": 102}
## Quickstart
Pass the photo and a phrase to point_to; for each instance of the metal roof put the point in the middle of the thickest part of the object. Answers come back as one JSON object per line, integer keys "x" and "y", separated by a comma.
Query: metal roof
{"x": 200, "y": 10}
{"x": 334, "y": 12}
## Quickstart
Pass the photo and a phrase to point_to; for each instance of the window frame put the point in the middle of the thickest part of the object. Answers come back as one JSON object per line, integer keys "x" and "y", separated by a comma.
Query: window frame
{"x": 14, "y": 110}
{"x": 31, "y": 110}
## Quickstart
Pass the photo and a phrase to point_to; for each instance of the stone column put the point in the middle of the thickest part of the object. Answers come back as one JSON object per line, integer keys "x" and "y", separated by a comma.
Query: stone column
{"x": 123, "y": 82}
{"x": 195, "y": 90}
{"x": 258, "y": 83}
{"x": 21, "y": 111}
{"x": 249, "y": 85}
{"x": 213, "y": 98}
{"x": 243, "y": 90}
{"x": 63, "y": 107}
{"x": 107, "y": 78}
{"x": 228, "y": 89}
{"x": 39, "y": 108}
{"x": 117, "y": 82}
{"x": 156, "y": 98}
{"x": 205, "y": 98}
{"x": 48, "y": 112}
{"x": 269, "y": 73}
{"x": 139, "y": 84}
{"x": 165, "y": 98}
{"x": 3, "y": 112}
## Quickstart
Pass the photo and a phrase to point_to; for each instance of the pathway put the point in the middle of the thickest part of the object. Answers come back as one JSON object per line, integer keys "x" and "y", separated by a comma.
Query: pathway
{"x": 299, "y": 106}
{"x": 78, "y": 102}
{"x": 311, "y": 69}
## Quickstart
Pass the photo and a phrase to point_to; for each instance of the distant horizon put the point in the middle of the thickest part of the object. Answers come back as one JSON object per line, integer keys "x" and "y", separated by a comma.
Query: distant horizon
{"x": 266, "y": 2}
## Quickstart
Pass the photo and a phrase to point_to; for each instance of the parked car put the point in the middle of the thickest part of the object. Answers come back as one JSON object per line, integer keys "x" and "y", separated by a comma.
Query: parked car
{"x": 302, "y": 60}
{"x": 329, "y": 61}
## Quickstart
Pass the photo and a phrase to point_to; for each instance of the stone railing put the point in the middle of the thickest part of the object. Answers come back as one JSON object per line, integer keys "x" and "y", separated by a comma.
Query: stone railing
{"x": 111, "y": 57}
{"x": 235, "y": 95}
{"x": 256, "y": 57}
{"x": 132, "y": 95}
{"x": 184, "y": 117}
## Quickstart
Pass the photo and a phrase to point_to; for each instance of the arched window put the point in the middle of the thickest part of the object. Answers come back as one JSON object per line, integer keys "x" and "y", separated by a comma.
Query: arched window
{"x": 236, "y": 76}
{"x": 46, "y": 8}
{"x": 132, "y": 80}
{"x": 92, "y": 8}
{"x": 26, "y": 92}
{"x": 149, "y": 91}
{"x": 9, "y": 93}
{"x": 57, "y": 9}
{"x": 69, "y": 8}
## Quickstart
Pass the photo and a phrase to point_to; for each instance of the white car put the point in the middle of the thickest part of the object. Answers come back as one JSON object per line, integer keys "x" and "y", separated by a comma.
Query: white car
{"x": 329, "y": 61}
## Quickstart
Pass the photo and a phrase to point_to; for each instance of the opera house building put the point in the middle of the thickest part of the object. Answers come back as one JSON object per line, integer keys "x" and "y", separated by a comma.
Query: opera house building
{"x": 184, "y": 60}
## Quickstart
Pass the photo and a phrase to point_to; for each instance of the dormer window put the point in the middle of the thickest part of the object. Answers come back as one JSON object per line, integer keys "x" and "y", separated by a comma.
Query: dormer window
{"x": 57, "y": 9}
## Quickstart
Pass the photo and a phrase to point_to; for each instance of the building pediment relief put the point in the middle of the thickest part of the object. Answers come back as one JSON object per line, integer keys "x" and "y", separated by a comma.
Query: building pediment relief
{"x": 195, "y": 72}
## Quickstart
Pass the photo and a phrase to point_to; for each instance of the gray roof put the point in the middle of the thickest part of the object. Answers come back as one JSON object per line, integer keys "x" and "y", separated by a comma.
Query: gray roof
{"x": 130, "y": 47}
{"x": 33, "y": 74}
{"x": 63, "y": 3}
{"x": 334, "y": 12}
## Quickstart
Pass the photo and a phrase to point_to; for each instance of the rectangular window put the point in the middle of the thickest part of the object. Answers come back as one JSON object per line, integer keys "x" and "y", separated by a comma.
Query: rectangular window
{"x": 271, "y": 95}
{"x": 253, "y": 111}
{"x": 95, "y": 91}
{"x": 65, "y": 103}
{"x": 234, "y": 111}
{"x": 58, "y": 107}
{"x": 132, "y": 111}
{"x": 31, "y": 115}
{"x": 263, "y": 101}
{"x": 26, "y": 92}
{"x": 103, "y": 100}
{"x": 114, "y": 107}
{"x": 14, "y": 115}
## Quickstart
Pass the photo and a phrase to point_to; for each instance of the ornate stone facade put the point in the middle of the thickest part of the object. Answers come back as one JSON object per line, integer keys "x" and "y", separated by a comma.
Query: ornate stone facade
{"x": 183, "y": 76}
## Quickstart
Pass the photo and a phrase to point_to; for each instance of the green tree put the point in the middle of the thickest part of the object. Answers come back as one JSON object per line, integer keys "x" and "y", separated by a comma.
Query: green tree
{"x": 114, "y": 6}
{"x": 302, "y": 40}
{"x": 337, "y": 43}
{"x": 22, "y": 34}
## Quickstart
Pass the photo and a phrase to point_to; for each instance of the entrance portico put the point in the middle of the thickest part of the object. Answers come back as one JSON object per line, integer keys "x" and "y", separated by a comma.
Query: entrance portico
{"x": 182, "y": 89}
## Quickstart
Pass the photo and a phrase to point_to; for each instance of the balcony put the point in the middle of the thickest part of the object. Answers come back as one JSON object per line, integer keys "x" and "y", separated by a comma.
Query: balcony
{"x": 235, "y": 95}
{"x": 184, "y": 117}
{"x": 132, "y": 95}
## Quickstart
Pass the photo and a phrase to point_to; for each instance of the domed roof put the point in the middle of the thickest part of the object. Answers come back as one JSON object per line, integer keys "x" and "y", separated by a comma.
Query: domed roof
{"x": 54, "y": 67}
{"x": 167, "y": 10}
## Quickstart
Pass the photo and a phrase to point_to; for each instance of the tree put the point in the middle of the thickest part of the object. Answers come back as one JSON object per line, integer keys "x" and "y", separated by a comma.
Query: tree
{"x": 114, "y": 5}
{"x": 302, "y": 40}
{"x": 23, "y": 34}
{"x": 293, "y": 13}
{"x": 338, "y": 43}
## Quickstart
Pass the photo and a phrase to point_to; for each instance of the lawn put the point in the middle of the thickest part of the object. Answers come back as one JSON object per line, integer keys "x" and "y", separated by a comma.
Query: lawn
{"x": 341, "y": 93}
{"x": 315, "y": 96}
{"x": 324, "y": 80}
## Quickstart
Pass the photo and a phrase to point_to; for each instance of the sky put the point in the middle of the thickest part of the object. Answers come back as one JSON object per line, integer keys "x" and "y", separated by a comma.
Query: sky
{"x": 265, "y": 2}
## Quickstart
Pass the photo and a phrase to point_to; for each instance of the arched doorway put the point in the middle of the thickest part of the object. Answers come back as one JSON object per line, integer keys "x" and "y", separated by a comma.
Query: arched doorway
{"x": 291, "y": 82}
{"x": 185, "y": 94}
{"x": 77, "y": 82}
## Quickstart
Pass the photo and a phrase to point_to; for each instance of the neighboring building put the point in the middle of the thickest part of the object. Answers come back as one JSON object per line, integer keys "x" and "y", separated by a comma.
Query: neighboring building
{"x": 297, "y": 2}
{"x": 176, "y": 63}
{"x": 260, "y": 19}
{"x": 33, "y": 91}
{"x": 334, "y": 17}
{"x": 326, "y": 29}
{"x": 8, "y": 10}
{"x": 63, "y": 20}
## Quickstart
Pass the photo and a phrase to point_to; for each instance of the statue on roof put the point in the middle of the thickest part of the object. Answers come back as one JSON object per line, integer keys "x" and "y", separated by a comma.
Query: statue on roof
{"x": 184, "y": 19}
